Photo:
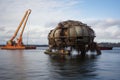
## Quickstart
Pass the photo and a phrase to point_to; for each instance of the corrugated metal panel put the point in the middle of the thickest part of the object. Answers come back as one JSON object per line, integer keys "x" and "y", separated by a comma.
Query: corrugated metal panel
{"x": 85, "y": 31}
{"x": 51, "y": 34}
{"x": 92, "y": 33}
{"x": 78, "y": 30}
{"x": 72, "y": 32}
{"x": 57, "y": 33}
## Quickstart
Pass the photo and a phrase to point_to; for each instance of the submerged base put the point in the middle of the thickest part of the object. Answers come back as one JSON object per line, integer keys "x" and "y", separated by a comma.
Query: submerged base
{"x": 58, "y": 56}
{"x": 66, "y": 52}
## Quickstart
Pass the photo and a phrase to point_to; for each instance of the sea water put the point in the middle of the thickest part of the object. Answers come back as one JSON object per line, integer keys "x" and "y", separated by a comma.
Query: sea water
{"x": 35, "y": 65}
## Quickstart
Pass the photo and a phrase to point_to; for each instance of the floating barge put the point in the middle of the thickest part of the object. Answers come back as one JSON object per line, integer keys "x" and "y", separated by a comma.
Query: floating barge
{"x": 105, "y": 48}
{"x": 18, "y": 47}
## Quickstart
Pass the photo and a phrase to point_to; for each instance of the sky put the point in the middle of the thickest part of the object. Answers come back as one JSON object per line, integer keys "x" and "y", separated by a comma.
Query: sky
{"x": 102, "y": 15}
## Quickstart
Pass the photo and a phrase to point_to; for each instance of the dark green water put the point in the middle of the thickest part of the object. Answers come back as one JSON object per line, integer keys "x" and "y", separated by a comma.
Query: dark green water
{"x": 35, "y": 65}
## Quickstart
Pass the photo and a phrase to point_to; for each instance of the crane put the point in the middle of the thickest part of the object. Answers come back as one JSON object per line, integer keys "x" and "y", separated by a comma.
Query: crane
{"x": 12, "y": 43}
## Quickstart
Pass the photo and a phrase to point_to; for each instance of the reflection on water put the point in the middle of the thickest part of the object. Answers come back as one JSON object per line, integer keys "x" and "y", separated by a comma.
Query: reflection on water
{"x": 73, "y": 68}
{"x": 35, "y": 65}
{"x": 13, "y": 65}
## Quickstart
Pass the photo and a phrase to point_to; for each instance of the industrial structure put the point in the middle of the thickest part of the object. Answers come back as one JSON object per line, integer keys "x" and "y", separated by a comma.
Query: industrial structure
{"x": 14, "y": 43}
{"x": 71, "y": 35}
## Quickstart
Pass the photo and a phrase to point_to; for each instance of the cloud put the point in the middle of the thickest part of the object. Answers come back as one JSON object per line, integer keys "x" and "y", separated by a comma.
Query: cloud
{"x": 2, "y": 29}
{"x": 106, "y": 30}
{"x": 44, "y": 14}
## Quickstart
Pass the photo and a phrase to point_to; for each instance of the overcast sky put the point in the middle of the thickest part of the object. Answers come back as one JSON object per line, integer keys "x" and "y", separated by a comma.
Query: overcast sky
{"x": 102, "y": 15}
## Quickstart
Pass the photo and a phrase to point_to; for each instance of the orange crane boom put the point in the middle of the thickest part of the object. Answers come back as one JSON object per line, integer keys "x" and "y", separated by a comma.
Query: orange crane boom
{"x": 12, "y": 44}
{"x": 24, "y": 20}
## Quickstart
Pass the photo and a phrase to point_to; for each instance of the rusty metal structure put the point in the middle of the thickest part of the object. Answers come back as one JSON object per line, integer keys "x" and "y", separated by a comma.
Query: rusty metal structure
{"x": 74, "y": 35}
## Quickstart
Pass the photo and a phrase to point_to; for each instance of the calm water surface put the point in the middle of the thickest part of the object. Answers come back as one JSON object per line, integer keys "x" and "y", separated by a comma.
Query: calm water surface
{"x": 35, "y": 65}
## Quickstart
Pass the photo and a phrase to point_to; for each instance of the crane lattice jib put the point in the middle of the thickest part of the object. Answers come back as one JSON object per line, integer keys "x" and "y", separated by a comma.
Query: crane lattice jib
{"x": 29, "y": 11}
{"x": 24, "y": 20}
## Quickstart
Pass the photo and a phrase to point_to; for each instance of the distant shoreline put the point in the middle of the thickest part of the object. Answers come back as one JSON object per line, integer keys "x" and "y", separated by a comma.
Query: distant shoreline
{"x": 32, "y": 45}
{"x": 105, "y": 44}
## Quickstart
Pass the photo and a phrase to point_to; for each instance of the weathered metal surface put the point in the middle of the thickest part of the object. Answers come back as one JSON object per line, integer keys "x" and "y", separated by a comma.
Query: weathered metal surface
{"x": 74, "y": 34}
{"x": 70, "y": 33}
